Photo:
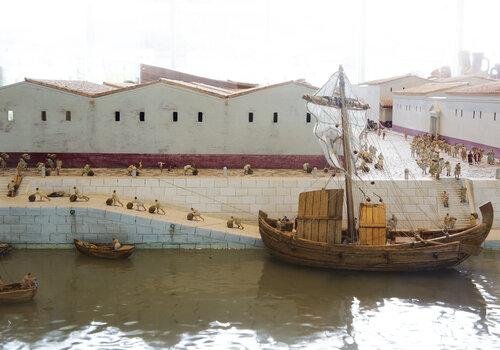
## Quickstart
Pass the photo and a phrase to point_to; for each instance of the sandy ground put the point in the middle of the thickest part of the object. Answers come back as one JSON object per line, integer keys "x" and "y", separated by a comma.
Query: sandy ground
{"x": 173, "y": 215}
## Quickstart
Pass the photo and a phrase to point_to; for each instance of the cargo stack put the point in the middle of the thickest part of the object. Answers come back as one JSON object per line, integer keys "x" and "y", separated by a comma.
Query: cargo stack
{"x": 372, "y": 224}
{"x": 320, "y": 215}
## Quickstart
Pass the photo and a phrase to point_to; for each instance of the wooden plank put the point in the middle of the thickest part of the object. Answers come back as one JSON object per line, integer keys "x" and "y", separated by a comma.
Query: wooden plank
{"x": 322, "y": 230}
{"x": 302, "y": 204}
{"x": 316, "y": 202}
{"x": 309, "y": 204}
{"x": 325, "y": 200}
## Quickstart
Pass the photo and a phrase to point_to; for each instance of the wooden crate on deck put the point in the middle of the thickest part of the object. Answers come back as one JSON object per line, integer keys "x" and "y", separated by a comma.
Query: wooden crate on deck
{"x": 372, "y": 224}
{"x": 320, "y": 215}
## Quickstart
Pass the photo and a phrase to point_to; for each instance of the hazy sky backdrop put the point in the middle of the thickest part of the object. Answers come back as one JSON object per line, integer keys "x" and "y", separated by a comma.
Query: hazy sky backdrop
{"x": 254, "y": 40}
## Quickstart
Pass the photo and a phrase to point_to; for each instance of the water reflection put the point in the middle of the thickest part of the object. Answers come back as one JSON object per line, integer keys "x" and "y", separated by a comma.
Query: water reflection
{"x": 245, "y": 300}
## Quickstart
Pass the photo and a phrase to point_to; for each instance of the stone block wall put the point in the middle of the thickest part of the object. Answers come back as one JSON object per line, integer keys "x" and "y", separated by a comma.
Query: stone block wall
{"x": 37, "y": 227}
{"x": 415, "y": 201}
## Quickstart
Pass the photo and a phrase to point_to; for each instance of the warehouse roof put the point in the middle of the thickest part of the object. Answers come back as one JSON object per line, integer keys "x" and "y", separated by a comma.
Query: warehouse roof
{"x": 79, "y": 87}
{"x": 492, "y": 88}
{"x": 430, "y": 88}
{"x": 387, "y": 80}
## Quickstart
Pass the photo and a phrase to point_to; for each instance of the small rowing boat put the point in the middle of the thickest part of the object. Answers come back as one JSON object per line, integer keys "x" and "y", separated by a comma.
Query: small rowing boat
{"x": 105, "y": 251}
{"x": 17, "y": 293}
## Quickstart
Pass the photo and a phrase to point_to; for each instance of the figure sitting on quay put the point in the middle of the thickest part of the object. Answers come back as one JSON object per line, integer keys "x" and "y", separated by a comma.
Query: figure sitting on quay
{"x": 87, "y": 171}
{"x": 22, "y": 165}
{"x": 194, "y": 215}
{"x": 11, "y": 189}
{"x": 156, "y": 208}
{"x": 234, "y": 221}
{"x": 190, "y": 169}
{"x": 77, "y": 195}
{"x": 114, "y": 200}
{"x": 39, "y": 196}
{"x": 247, "y": 170}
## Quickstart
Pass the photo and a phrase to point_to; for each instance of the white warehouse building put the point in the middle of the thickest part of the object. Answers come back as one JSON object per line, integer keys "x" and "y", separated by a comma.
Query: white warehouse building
{"x": 457, "y": 112}
{"x": 164, "y": 120}
{"x": 378, "y": 94}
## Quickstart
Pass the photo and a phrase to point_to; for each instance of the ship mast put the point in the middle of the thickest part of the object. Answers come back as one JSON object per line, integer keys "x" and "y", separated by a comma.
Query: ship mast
{"x": 346, "y": 143}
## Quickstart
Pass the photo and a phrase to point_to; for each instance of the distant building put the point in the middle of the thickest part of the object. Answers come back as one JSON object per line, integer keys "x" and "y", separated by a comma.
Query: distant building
{"x": 456, "y": 111}
{"x": 152, "y": 73}
{"x": 378, "y": 94}
{"x": 167, "y": 120}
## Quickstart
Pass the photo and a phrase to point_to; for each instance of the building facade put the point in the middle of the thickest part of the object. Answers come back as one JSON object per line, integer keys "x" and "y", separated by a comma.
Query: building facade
{"x": 165, "y": 120}
{"x": 378, "y": 94}
{"x": 457, "y": 112}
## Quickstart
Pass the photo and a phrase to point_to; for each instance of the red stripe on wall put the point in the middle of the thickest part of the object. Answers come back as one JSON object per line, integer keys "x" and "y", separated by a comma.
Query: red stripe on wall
{"x": 120, "y": 160}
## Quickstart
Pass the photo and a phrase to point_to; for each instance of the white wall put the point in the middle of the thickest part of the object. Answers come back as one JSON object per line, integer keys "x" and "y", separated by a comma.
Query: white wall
{"x": 411, "y": 112}
{"x": 225, "y": 128}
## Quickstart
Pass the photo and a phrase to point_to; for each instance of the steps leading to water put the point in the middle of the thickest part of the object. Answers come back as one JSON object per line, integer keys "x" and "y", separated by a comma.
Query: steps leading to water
{"x": 456, "y": 208}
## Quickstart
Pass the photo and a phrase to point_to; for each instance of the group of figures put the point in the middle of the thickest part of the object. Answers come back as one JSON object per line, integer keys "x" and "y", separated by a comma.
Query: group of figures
{"x": 368, "y": 155}
{"x": 427, "y": 150}
{"x": 52, "y": 164}
{"x": 40, "y": 196}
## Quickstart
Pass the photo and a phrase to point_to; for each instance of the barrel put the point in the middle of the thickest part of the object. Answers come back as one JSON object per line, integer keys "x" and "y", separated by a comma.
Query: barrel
{"x": 152, "y": 209}
{"x": 109, "y": 201}
{"x": 73, "y": 198}
{"x": 130, "y": 205}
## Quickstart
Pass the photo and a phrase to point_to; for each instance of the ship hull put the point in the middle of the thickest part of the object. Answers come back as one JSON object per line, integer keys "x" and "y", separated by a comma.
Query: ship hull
{"x": 435, "y": 251}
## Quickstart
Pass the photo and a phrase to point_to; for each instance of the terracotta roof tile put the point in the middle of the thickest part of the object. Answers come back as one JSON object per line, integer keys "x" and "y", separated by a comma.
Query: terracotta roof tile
{"x": 483, "y": 89}
{"x": 80, "y": 87}
{"x": 386, "y": 80}
{"x": 430, "y": 88}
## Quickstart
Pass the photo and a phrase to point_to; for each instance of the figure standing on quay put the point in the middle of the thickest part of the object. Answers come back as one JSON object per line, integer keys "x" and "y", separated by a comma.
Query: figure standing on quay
{"x": 11, "y": 188}
{"x": 458, "y": 171}
{"x": 115, "y": 199}
{"x": 3, "y": 160}
{"x": 446, "y": 200}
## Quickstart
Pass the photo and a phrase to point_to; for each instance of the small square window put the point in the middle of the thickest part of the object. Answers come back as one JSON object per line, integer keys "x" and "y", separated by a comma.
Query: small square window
{"x": 250, "y": 117}
{"x": 43, "y": 116}
{"x": 117, "y": 116}
{"x": 175, "y": 116}
{"x": 456, "y": 112}
{"x": 275, "y": 117}
{"x": 480, "y": 114}
{"x": 142, "y": 116}
{"x": 10, "y": 116}
{"x": 200, "y": 117}
{"x": 473, "y": 114}
{"x": 68, "y": 116}
{"x": 495, "y": 116}
{"x": 308, "y": 117}
{"x": 461, "y": 112}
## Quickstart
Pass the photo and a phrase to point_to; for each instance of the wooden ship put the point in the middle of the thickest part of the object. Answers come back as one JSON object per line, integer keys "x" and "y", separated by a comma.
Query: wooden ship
{"x": 319, "y": 239}
{"x": 16, "y": 293}
{"x": 105, "y": 251}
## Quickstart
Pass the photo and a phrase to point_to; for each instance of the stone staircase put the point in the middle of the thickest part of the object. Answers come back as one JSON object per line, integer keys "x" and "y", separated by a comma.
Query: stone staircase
{"x": 459, "y": 210}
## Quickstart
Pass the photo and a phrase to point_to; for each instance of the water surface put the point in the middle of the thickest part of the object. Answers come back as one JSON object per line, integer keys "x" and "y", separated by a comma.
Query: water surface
{"x": 246, "y": 300}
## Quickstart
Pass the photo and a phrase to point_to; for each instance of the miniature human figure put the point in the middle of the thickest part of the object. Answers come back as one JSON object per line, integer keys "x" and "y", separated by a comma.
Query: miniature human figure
{"x": 132, "y": 170}
{"x": 364, "y": 166}
{"x": 42, "y": 169}
{"x": 379, "y": 131}
{"x": 458, "y": 171}
{"x": 139, "y": 204}
{"x": 472, "y": 219}
{"x": 392, "y": 223}
{"x": 446, "y": 221}
{"x": 3, "y": 160}
{"x": 196, "y": 215}
{"x": 383, "y": 135}
{"x": 237, "y": 221}
{"x": 80, "y": 195}
{"x": 158, "y": 207}
{"x": 11, "y": 188}
{"x": 22, "y": 165}
{"x": 116, "y": 244}
{"x": 380, "y": 162}
{"x": 307, "y": 167}
{"x": 115, "y": 198}
{"x": 446, "y": 200}
{"x": 406, "y": 136}
{"x": 86, "y": 170}
{"x": 407, "y": 174}
{"x": 188, "y": 168}
{"x": 247, "y": 169}
{"x": 314, "y": 172}
{"x": 224, "y": 171}
{"x": 139, "y": 166}
{"x": 41, "y": 195}
{"x": 463, "y": 194}
{"x": 490, "y": 157}
{"x": 50, "y": 161}
{"x": 470, "y": 158}
{"x": 59, "y": 164}
{"x": 447, "y": 165}
{"x": 160, "y": 165}
{"x": 28, "y": 281}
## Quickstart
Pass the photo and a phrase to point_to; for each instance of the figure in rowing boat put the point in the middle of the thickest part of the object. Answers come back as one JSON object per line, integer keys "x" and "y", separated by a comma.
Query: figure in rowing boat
{"x": 116, "y": 244}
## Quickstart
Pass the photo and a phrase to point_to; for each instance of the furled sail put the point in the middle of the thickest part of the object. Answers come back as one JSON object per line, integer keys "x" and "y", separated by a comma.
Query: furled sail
{"x": 326, "y": 105}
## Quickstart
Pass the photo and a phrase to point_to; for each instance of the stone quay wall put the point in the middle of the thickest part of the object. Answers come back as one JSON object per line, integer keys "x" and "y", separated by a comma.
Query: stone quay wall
{"x": 56, "y": 227}
{"x": 418, "y": 201}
